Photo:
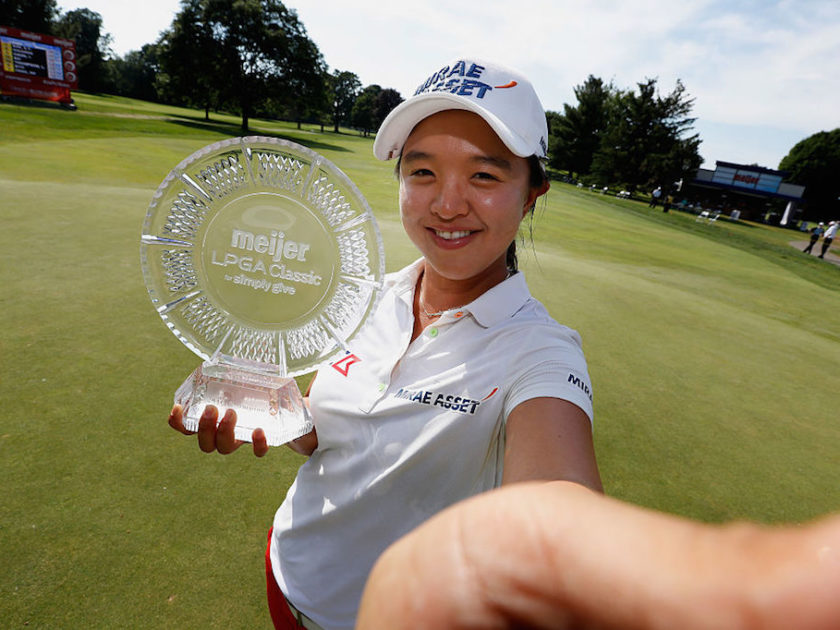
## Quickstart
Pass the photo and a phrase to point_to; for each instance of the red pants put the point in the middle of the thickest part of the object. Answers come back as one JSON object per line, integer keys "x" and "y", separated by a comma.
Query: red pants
{"x": 281, "y": 616}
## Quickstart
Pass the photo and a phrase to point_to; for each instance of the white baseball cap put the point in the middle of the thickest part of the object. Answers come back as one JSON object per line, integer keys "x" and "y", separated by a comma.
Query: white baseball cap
{"x": 503, "y": 97}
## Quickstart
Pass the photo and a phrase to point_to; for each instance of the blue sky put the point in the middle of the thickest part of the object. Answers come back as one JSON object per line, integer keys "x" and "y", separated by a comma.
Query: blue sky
{"x": 764, "y": 73}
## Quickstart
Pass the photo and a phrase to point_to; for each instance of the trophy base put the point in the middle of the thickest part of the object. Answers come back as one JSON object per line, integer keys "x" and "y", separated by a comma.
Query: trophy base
{"x": 271, "y": 402}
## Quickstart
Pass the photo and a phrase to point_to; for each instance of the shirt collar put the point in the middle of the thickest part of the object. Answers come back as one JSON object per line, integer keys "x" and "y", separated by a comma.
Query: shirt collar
{"x": 495, "y": 305}
{"x": 406, "y": 279}
{"x": 501, "y": 302}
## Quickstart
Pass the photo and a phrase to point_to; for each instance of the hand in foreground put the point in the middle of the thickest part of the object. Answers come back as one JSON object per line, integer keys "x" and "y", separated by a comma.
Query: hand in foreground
{"x": 217, "y": 437}
{"x": 556, "y": 555}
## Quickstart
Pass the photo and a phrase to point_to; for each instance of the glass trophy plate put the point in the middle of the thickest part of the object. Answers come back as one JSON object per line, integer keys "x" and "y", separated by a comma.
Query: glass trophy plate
{"x": 264, "y": 259}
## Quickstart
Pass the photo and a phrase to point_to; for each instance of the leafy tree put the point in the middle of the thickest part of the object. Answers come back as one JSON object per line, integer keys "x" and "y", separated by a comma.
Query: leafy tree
{"x": 29, "y": 15}
{"x": 262, "y": 51}
{"x": 555, "y": 149}
{"x": 815, "y": 163}
{"x": 383, "y": 103}
{"x": 575, "y": 135}
{"x": 251, "y": 55}
{"x": 92, "y": 46}
{"x": 363, "y": 118}
{"x": 645, "y": 142}
{"x": 343, "y": 88}
{"x": 304, "y": 93}
{"x": 135, "y": 75}
{"x": 372, "y": 105}
{"x": 320, "y": 106}
{"x": 187, "y": 54}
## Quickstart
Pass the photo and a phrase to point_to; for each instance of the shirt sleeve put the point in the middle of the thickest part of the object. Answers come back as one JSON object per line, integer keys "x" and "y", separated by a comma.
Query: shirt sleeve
{"x": 556, "y": 369}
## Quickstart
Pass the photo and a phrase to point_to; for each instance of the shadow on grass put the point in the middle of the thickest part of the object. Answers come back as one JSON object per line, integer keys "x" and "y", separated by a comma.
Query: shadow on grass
{"x": 32, "y": 102}
{"x": 234, "y": 130}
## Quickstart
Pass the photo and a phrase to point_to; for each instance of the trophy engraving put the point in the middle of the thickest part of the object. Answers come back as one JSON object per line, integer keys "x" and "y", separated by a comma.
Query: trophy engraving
{"x": 264, "y": 259}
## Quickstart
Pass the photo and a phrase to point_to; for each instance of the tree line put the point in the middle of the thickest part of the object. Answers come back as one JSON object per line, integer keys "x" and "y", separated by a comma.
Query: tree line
{"x": 254, "y": 58}
{"x": 633, "y": 138}
{"x": 250, "y": 57}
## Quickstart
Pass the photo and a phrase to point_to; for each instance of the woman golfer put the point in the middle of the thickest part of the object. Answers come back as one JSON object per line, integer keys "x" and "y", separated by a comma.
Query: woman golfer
{"x": 461, "y": 381}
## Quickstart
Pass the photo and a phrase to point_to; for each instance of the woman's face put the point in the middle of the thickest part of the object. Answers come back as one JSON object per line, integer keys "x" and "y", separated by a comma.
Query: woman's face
{"x": 462, "y": 194}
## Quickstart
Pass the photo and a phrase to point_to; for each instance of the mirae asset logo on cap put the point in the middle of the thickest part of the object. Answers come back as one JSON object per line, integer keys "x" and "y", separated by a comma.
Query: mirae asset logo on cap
{"x": 460, "y": 79}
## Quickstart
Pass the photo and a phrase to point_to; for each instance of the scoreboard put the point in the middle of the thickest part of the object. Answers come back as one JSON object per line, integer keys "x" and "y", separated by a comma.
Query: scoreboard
{"x": 34, "y": 65}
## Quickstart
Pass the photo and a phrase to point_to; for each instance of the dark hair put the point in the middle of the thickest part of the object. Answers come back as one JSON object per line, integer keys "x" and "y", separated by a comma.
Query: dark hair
{"x": 537, "y": 179}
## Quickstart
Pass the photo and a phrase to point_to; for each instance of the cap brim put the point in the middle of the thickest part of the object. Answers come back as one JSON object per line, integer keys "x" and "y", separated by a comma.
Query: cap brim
{"x": 397, "y": 126}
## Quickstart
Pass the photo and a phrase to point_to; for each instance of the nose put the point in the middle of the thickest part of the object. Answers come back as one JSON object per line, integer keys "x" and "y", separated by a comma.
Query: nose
{"x": 450, "y": 201}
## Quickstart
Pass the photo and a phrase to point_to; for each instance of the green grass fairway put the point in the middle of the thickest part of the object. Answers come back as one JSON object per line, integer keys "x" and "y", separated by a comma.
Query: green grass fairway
{"x": 714, "y": 351}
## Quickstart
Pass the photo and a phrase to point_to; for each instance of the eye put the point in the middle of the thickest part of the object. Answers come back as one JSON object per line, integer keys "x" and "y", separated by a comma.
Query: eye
{"x": 485, "y": 176}
{"x": 420, "y": 172}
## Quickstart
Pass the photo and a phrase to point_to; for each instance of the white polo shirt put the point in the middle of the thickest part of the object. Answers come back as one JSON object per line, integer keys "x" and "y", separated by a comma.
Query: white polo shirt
{"x": 406, "y": 429}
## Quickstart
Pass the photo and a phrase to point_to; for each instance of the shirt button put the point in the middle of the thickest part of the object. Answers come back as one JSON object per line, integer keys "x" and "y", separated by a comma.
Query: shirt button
{"x": 433, "y": 332}
{"x": 381, "y": 387}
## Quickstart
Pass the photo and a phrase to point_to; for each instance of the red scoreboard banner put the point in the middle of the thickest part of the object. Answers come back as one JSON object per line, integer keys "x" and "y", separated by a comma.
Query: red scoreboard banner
{"x": 33, "y": 65}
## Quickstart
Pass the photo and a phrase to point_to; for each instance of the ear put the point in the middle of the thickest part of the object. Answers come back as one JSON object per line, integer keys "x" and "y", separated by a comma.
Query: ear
{"x": 533, "y": 195}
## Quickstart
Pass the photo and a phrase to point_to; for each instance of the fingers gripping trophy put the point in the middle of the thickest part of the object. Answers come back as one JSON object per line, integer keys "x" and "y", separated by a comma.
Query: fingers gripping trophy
{"x": 265, "y": 260}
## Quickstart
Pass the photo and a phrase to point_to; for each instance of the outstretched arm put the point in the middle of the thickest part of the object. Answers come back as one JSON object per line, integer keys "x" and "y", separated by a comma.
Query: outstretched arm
{"x": 556, "y": 555}
{"x": 549, "y": 439}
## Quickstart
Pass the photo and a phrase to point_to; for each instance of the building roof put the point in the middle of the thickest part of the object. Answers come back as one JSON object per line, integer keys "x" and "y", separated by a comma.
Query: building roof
{"x": 748, "y": 179}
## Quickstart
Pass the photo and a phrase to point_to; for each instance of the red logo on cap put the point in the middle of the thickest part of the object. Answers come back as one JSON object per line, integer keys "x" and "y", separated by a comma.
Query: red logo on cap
{"x": 507, "y": 85}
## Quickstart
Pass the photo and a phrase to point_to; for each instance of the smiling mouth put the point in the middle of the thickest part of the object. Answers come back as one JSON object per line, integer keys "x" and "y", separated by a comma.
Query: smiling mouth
{"x": 451, "y": 236}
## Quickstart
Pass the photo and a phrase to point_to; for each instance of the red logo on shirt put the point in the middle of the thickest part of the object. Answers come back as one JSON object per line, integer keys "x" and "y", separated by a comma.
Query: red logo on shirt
{"x": 343, "y": 365}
